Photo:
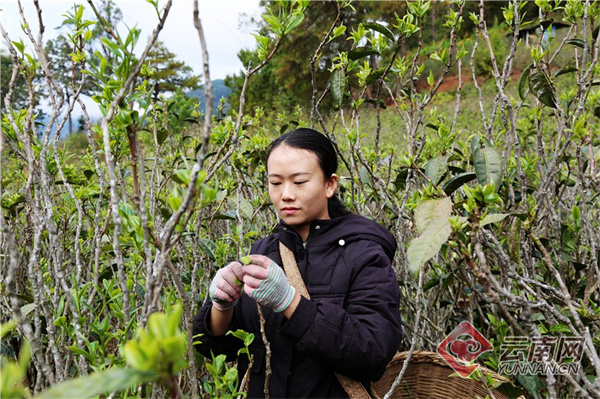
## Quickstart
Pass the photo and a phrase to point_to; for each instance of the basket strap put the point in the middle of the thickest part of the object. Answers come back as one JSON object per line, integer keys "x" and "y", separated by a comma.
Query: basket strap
{"x": 353, "y": 388}
{"x": 291, "y": 270}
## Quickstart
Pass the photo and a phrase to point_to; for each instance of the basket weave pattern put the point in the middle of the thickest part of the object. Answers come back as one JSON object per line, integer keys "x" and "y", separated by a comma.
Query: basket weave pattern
{"x": 429, "y": 376}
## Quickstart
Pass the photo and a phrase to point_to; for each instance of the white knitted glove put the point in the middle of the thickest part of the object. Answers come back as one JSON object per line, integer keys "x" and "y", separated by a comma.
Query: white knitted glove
{"x": 225, "y": 288}
{"x": 265, "y": 282}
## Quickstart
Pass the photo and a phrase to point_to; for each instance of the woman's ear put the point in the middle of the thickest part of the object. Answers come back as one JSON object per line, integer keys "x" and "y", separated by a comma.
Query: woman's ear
{"x": 331, "y": 185}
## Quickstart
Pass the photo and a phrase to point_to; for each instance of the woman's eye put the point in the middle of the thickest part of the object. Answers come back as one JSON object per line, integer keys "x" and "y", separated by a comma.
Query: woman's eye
{"x": 299, "y": 183}
{"x": 274, "y": 183}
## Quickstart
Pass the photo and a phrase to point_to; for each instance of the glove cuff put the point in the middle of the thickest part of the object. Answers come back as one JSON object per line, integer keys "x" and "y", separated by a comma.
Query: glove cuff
{"x": 223, "y": 305}
{"x": 286, "y": 300}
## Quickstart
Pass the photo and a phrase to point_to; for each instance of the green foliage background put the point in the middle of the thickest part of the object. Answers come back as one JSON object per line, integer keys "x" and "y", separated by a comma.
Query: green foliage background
{"x": 479, "y": 152}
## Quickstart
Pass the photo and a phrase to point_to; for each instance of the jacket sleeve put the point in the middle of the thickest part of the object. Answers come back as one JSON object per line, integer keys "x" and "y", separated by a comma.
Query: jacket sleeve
{"x": 207, "y": 343}
{"x": 357, "y": 340}
{"x": 225, "y": 344}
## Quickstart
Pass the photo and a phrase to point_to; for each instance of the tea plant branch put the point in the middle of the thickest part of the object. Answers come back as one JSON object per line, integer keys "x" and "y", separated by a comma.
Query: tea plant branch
{"x": 232, "y": 139}
{"x": 418, "y": 299}
{"x": 458, "y": 97}
{"x": 38, "y": 45}
{"x": 148, "y": 232}
{"x": 24, "y": 138}
{"x": 68, "y": 186}
{"x": 313, "y": 60}
{"x": 483, "y": 275}
{"x": 9, "y": 282}
{"x": 208, "y": 91}
{"x": 110, "y": 159}
{"x": 381, "y": 85}
{"x": 105, "y": 25}
{"x": 57, "y": 255}
{"x": 591, "y": 238}
{"x": 451, "y": 57}
{"x": 508, "y": 63}
{"x": 189, "y": 325}
{"x": 589, "y": 344}
{"x": 584, "y": 81}
{"x": 414, "y": 124}
{"x": 553, "y": 315}
{"x": 568, "y": 36}
{"x": 478, "y": 29}
{"x": 268, "y": 370}
{"x": 98, "y": 230}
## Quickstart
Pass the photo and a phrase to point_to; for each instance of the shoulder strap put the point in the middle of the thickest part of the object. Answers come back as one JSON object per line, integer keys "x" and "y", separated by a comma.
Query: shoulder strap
{"x": 354, "y": 389}
{"x": 291, "y": 270}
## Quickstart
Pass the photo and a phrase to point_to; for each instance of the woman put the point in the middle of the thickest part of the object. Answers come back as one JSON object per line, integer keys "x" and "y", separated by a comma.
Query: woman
{"x": 351, "y": 324}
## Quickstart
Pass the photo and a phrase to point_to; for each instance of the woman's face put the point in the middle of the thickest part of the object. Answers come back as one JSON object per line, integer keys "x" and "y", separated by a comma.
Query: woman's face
{"x": 298, "y": 188}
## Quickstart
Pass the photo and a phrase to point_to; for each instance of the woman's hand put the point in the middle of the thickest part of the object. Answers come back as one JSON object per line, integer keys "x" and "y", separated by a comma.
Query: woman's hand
{"x": 225, "y": 288}
{"x": 265, "y": 282}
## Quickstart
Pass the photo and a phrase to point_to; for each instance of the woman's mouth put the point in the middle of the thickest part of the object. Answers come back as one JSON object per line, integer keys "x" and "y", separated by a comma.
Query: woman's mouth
{"x": 289, "y": 210}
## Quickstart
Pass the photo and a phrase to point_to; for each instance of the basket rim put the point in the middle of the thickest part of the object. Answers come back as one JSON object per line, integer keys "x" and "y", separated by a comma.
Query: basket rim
{"x": 422, "y": 356}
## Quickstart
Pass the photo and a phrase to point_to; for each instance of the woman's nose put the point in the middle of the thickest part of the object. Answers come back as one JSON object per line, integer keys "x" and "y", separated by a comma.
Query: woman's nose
{"x": 288, "y": 193}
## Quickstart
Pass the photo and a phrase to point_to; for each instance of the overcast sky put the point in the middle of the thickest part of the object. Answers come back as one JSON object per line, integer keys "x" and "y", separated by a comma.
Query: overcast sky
{"x": 220, "y": 20}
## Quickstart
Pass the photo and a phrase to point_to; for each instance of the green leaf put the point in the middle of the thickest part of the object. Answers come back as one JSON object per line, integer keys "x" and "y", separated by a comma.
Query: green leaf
{"x": 487, "y": 162}
{"x": 374, "y": 75}
{"x": 88, "y": 173}
{"x": 26, "y": 309}
{"x": 7, "y": 327}
{"x": 245, "y": 260}
{"x": 510, "y": 391}
{"x": 104, "y": 382}
{"x": 436, "y": 168}
{"x": 295, "y": 20}
{"x": 246, "y": 208}
{"x": 338, "y": 31}
{"x": 361, "y": 52}
{"x": 457, "y": 181}
{"x": 531, "y": 383}
{"x": 112, "y": 47}
{"x": 274, "y": 22}
{"x": 430, "y": 79}
{"x": 576, "y": 42}
{"x": 430, "y": 210}
{"x": 181, "y": 176}
{"x": 174, "y": 201}
{"x": 79, "y": 351}
{"x": 338, "y": 86}
{"x": 79, "y": 14}
{"x": 565, "y": 70}
{"x": 493, "y": 218}
{"x": 243, "y": 335}
{"x": 523, "y": 81}
{"x": 208, "y": 247}
{"x": 381, "y": 29}
{"x": 376, "y": 102}
{"x": 20, "y": 46}
{"x": 561, "y": 328}
{"x": 225, "y": 216}
{"x": 161, "y": 135}
{"x": 540, "y": 86}
{"x": 425, "y": 247}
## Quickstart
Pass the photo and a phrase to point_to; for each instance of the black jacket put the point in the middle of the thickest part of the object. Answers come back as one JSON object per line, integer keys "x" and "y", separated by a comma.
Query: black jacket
{"x": 351, "y": 325}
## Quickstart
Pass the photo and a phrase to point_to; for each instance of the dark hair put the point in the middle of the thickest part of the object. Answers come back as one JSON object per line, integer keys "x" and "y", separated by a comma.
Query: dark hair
{"x": 321, "y": 146}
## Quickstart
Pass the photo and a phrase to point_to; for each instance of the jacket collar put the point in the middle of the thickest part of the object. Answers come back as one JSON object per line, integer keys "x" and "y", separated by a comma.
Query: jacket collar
{"x": 341, "y": 229}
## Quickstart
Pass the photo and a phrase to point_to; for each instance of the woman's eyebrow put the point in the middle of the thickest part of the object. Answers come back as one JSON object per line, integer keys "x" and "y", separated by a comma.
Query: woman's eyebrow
{"x": 292, "y": 175}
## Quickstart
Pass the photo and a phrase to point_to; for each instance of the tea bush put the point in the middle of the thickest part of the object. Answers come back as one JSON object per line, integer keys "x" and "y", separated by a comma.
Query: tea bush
{"x": 491, "y": 189}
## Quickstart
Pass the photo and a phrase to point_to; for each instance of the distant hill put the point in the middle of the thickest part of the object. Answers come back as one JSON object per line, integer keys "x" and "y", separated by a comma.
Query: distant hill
{"x": 219, "y": 90}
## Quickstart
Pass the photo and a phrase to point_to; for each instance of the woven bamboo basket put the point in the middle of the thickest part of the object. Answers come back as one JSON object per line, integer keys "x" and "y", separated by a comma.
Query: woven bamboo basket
{"x": 429, "y": 376}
